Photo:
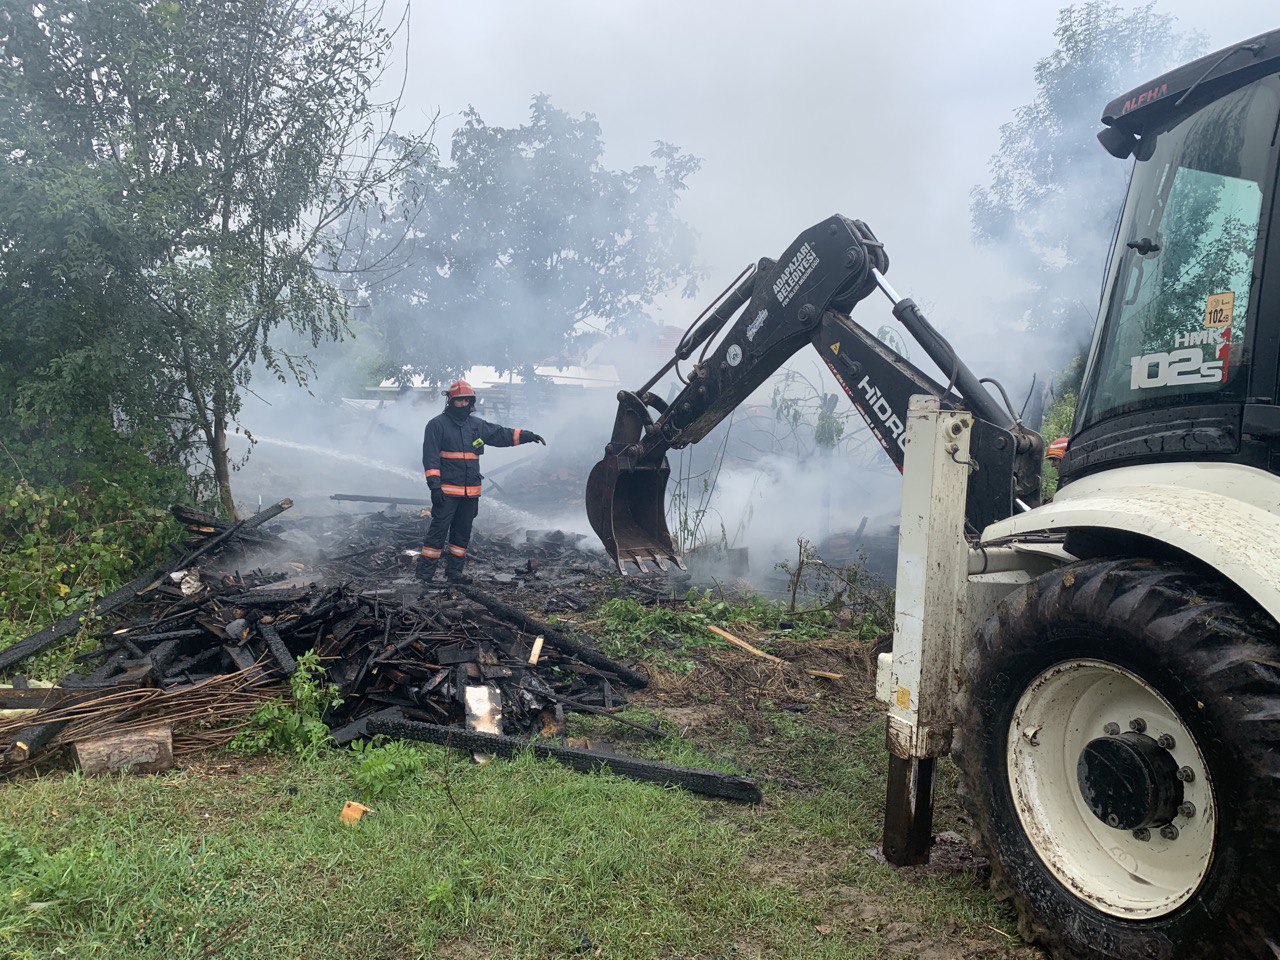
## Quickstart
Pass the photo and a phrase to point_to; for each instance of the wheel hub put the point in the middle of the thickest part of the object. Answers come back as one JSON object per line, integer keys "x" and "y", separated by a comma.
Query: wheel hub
{"x": 1129, "y": 781}
{"x": 1067, "y": 724}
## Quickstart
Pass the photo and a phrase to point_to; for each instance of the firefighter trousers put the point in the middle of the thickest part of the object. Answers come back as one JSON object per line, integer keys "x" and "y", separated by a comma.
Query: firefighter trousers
{"x": 450, "y": 532}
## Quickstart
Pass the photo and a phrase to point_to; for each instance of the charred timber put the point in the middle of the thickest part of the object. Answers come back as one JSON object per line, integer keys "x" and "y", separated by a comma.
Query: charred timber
{"x": 707, "y": 782}
{"x": 359, "y": 729}
{"x": 257, "y": 520}
{"x": 113, "y": 601}
{"x": 65, "y": 627}
{"x": 554, "y": 637}
{"x": 30, "y": 741}
{"x": 279, "y": 652}
{"x": 203, "y": 522}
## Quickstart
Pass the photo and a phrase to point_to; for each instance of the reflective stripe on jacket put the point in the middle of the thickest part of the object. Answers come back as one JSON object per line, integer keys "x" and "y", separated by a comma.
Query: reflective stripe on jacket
{"x": 451, "y": 451}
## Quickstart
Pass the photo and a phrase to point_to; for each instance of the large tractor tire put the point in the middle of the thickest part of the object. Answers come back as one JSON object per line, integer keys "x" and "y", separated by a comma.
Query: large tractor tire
{"x": 1119, "y": 745}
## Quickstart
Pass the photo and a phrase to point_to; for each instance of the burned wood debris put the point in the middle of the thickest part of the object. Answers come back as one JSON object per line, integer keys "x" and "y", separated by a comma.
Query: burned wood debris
{"x": 470, "y": 657}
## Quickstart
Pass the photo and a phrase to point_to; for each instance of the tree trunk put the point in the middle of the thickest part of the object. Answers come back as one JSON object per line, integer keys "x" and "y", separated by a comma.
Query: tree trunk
{"x": 222, "y": 465}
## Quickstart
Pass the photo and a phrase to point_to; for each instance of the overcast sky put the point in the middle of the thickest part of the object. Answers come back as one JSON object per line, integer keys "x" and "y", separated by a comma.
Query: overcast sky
{"x": 886, "y": 112}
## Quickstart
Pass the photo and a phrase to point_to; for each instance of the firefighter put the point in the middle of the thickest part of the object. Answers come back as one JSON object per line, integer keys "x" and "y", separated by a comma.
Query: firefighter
{"x": 451, "y": 449}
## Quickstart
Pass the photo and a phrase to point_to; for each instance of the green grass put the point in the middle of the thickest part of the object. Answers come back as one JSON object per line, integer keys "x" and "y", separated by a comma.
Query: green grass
{"x": 669, "y": 636}
{"x": 166, "y": 866}
{"x": 535, "y": 861}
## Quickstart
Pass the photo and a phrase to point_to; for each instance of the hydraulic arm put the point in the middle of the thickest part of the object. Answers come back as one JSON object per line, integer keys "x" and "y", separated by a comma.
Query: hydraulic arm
{"x": 802, "y": 298}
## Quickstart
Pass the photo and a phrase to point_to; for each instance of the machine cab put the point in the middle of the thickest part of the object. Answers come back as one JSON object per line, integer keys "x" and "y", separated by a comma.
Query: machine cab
{"x": 1184, "y": 359}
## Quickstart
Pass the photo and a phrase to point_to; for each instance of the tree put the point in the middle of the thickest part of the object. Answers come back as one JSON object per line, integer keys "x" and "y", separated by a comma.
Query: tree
{"x": 520, "y": 245}
{"x": 169, "y": 177}
{"x": 1055, "y": 194}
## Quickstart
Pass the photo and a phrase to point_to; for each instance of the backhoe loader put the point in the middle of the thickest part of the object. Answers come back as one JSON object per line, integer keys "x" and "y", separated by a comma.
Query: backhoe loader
{"x": 1104, "y": 669}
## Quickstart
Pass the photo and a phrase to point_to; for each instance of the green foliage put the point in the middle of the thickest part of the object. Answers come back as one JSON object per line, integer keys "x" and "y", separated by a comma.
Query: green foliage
{"x": 294, "y": 725}
{"x": 383, "y": 769}
{"x": 829, "y": 428}
{"x": 520, "y": 237}
{"x": 664, "y": 636}
{"x": 168, "y": 215}
{"x": 1059, "y": 418}
{"x": 1054, "y": 194}
{"x": 63, "y": 546}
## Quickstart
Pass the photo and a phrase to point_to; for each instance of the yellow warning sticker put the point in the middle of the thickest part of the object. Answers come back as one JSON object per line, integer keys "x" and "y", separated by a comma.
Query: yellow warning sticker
{"x": 835, "y": 348}
{"x": 902, "y": 696}
{"x": 1218, "y": 308}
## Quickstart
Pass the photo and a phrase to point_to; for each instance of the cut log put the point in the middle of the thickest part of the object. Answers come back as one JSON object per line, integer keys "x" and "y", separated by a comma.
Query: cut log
{"x": 708, "y": 782}
{"x": 148, "y": 750}
{"x": 29, "y": 741}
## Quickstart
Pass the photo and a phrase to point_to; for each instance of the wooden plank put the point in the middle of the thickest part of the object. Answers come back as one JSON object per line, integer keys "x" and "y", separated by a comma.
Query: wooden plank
{"x": 756, "y": 651}
{"x": 708, "y": 782}
{"x": 148, "y": 750}
{"x": 34, "y": 698}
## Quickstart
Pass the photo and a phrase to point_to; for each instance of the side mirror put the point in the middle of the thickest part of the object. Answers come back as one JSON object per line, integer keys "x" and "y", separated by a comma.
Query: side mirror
{"x": 1119, "y": 143}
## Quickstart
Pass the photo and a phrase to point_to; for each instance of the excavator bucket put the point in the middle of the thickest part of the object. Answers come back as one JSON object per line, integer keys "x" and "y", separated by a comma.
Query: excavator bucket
{"x": 627, "y": 509}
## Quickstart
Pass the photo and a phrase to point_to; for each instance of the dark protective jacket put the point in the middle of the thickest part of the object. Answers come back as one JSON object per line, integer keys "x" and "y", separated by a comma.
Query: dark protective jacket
{"x": 451, "y": 450}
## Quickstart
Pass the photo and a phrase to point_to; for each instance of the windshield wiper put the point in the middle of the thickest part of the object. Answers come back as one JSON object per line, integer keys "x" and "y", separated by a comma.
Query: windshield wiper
{"x": 1254, "y": 48}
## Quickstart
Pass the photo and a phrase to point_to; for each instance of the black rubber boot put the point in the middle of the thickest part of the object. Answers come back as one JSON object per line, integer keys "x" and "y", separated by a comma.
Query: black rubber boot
{"x": 453, "y": 570}
{"x": 425, "y": 570}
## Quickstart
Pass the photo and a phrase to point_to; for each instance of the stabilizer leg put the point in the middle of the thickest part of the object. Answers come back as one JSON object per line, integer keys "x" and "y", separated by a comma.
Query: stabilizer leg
{"x": 908, "y": 812}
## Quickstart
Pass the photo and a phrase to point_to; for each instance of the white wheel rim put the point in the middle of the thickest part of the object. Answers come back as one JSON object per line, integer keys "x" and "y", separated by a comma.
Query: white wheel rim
{"x": 1059, "y": 713}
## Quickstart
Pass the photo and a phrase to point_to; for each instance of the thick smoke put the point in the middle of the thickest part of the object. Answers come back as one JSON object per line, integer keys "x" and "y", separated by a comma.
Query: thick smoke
{"x": 877, "y": 114}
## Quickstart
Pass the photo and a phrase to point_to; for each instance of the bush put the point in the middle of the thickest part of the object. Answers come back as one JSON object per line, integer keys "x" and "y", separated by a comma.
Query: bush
{"x": 383, "y": 769}
{"x": 294, "y": 725}
{"x": 61, "y": 547}
{"x": 79, "y": 516}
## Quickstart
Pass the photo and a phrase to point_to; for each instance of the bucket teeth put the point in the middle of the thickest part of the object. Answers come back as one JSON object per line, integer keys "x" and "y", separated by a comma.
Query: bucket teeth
{"x": 625, "y": 508}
